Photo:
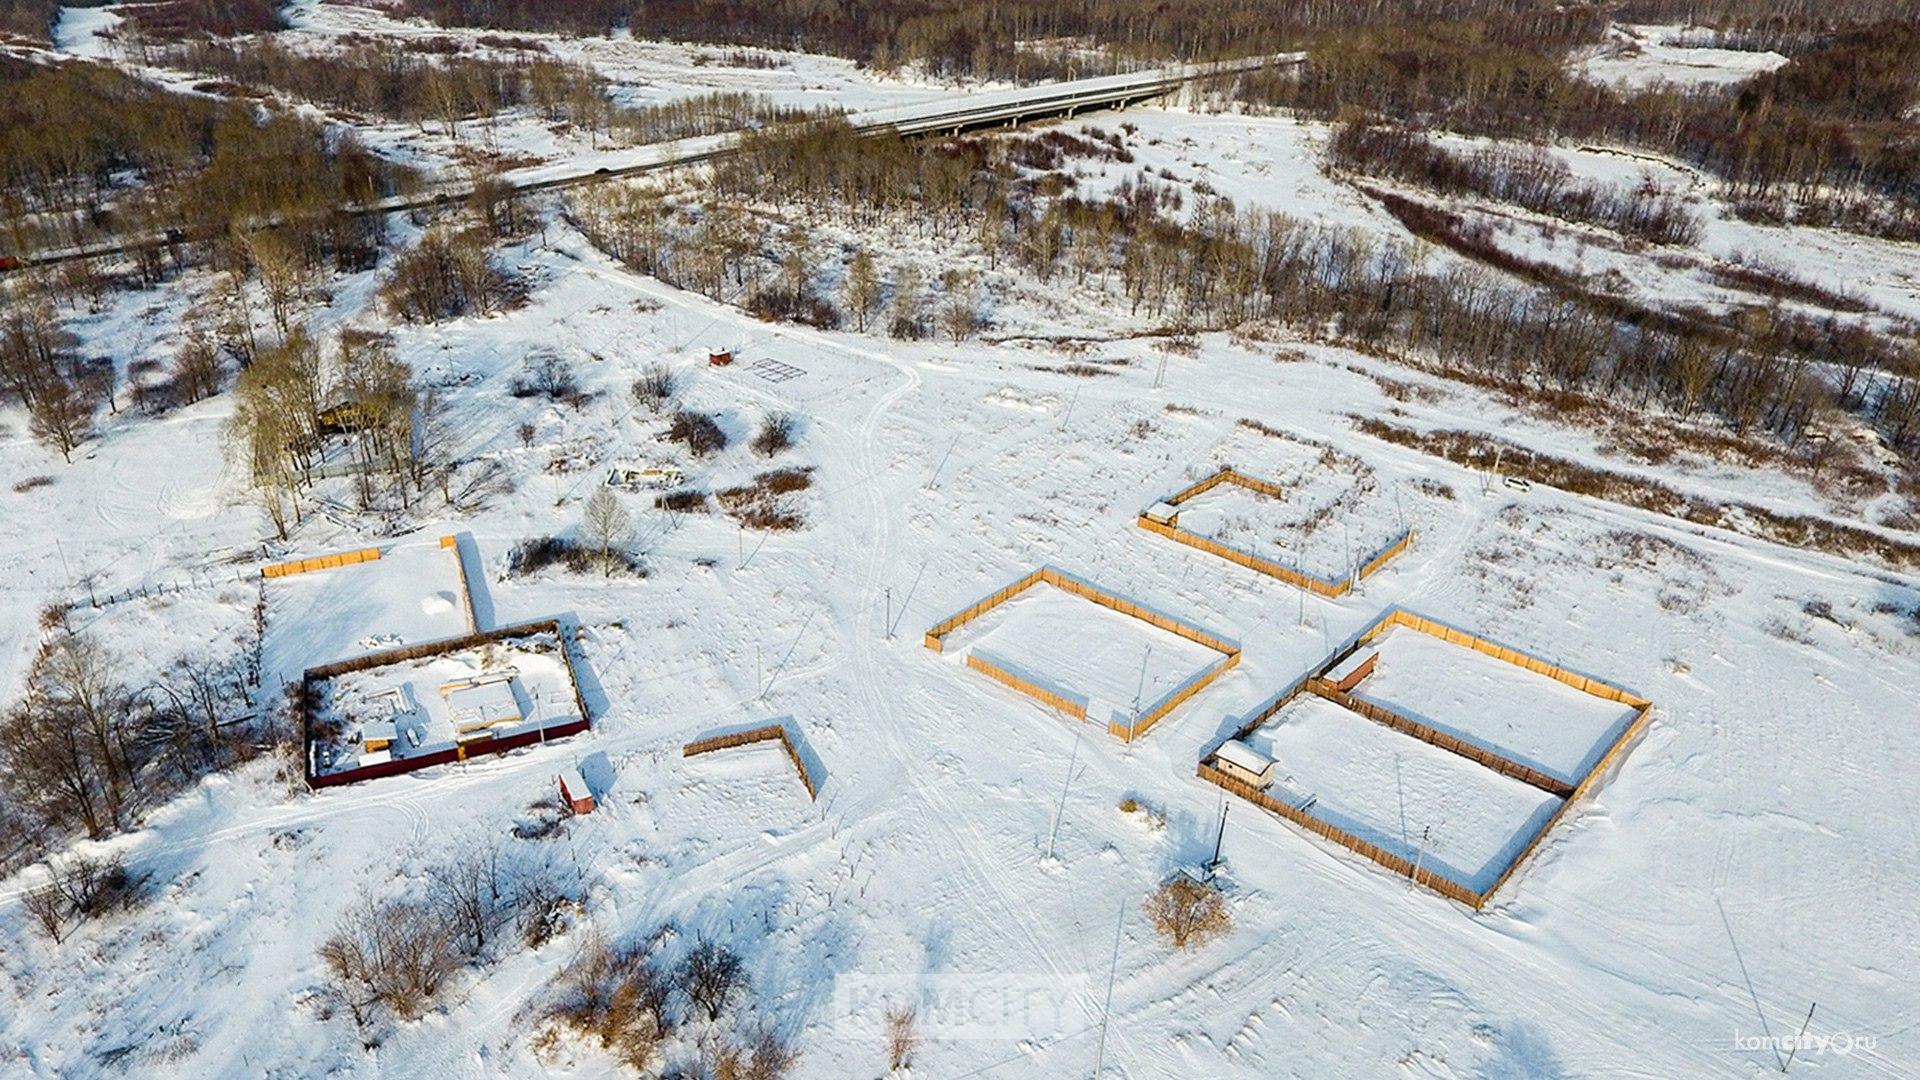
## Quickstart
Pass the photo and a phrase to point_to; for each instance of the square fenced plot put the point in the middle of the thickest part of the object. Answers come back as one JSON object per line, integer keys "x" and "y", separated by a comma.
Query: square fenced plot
{"x": 1532, "y": 737}
{"x": 1317, "y": 527}
{"x": 392, "y": 712}
{"x": 1520, "y": 715}
{"x": 409, "y": 594}
{"x": 1415, "y": 801}
{"x": 1085, "y": 651}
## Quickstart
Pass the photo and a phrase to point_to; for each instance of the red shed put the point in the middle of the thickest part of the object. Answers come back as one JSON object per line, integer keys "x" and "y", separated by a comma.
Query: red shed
{"x": 719, "y": 357}
{"x": 575, "y": 793}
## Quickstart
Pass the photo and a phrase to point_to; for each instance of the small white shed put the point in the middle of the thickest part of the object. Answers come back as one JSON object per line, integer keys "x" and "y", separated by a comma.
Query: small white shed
{"x": 1244, "y": 763}
{"x": 1162, "y": 513}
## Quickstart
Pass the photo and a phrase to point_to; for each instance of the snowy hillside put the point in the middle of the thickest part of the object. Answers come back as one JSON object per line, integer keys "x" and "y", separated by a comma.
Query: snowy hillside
{"x": 1752, "y": 853}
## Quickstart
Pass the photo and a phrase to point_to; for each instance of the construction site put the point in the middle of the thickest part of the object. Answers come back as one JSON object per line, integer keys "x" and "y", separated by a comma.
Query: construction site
{"x": 417, "y": 676}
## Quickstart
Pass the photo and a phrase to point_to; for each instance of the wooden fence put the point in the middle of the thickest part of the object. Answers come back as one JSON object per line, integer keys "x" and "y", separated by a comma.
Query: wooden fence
{"x": 768, "y": 733}
{"x": 937, "y": 634}
{"x": 1298, "y": 578}
{"x": 319, "y": 562}
{"x": 452, "y": 543}
{"x": 1316, "y": 682}
{"x": 1426, "y": 876}
{"x": 1407, "y": 725}
{"x": 311, "y": 679}
{"x": 1003, "y": 673}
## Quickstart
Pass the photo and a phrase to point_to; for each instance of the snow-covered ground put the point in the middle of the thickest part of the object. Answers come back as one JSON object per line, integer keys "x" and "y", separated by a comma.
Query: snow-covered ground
{"x": 1517, "y": 714}
{"x": 1117, "y": 664}
{"x": 1635, "y": 55}
{"x": 1416, "y": 801}
{"x": 1755, "y": 852}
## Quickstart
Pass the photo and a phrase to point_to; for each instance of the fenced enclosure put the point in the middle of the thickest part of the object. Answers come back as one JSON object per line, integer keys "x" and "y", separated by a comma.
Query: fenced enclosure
{"x": 1140, "y": 719}
{"x": 1168, "y": 525}
{"x": 1318, "y": 684}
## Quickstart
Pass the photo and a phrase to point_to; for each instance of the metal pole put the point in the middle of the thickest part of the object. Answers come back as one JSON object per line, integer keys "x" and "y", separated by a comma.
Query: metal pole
{"x": 1795, "y": 1048}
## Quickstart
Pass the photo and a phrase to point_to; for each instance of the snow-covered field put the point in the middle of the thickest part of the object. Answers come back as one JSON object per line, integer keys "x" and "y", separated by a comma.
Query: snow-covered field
{"x": 1754, "y": 853}
{"x": 1636, "y": 55}
{"x": 1517, "y": 714}
{"x": 1416, "y": 801}
{"x": 1115, "y": 663}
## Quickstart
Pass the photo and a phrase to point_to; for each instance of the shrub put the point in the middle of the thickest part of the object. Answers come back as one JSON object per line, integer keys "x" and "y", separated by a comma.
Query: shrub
{"x": 775, "y": 434}
{"x": 759, "y": 505}
{"x": 654, "y": 387}
{"x": 389, "y": 954}
{"x": 1186, "y": 912}
{"x": 619, "y": 998}
{"x": 699, "y": 433}
{"x": 761, "y": 1056}
{"x": 548, "y": 376}
{"x": 535, "y": 554}
{"x": 683, "y": 501}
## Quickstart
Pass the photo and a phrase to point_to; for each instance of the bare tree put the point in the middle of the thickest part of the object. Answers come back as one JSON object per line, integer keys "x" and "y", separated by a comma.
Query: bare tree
{"x": 775, "y": 434}
{"x": 711, "y": 975}
{"x": 960, "y": 310}
{"x": 1186, "y": 912}
{"x": 61, "y": 414}
{"x": 605, "y": 526}
{"x": 196, "y": 369}
{"x": 654, "y": 387}
{"x": 474, "y": 897}
{"x": 48, "y": 909}
{"x": 902, "y": 1037}
{"x": 760, "y": 1056}
{"x": 861, "y": 293}
{"x": 389, "y": 954}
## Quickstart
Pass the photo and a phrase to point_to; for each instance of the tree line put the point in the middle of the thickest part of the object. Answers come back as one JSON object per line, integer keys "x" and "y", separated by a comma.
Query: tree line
{"x": 87, "y": 749}
{"x": 1215, "y": 266}
{"x": 88, "y": 153}
{"x": 1826, "y": 139}
{"x": 1018, "y": 39}
{"x": 1531, "y": 178}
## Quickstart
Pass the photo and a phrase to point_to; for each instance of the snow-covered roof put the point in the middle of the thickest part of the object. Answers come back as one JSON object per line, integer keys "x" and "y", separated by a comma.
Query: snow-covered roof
{"x": 1162, "y": 512}
{"x": 1239, "y": 754}
{"x": 1351, "y": 664}
{"x": 378, "y": 731}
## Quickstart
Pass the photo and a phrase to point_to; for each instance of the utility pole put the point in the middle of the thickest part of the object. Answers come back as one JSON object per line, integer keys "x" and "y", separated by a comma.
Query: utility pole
{"x": 889, "y": 613}
{"x": 1219, "y": 840}
{"x": 1795, "y": 1048}
{"x": 934, "y": 480}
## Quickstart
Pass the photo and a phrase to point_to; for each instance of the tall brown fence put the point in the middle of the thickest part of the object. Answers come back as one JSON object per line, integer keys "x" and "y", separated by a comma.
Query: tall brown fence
{"x": 1298, "y": 578}
{"x": 1086, "y": 590}
{"x": 319, "y": 562}
{"x": 1407, "y": 725}
{"x": 1315, "y": 682}
{"x": 1439, "y": 883}
{"x": 452, "y": 543}
{"x": 311, "y": 679}
{"x": 768, "y": 733}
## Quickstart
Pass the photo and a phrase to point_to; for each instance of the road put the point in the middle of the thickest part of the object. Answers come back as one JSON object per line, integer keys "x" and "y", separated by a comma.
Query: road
{"x": 947, "y": 116}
